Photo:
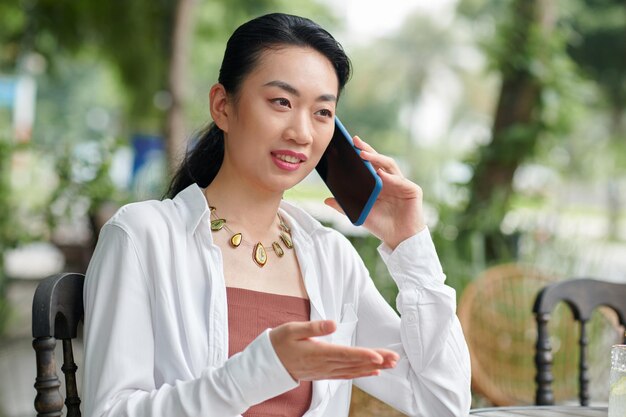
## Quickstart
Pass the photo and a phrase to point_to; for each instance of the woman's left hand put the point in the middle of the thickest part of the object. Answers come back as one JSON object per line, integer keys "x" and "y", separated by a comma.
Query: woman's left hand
{"x": 397, "y": 213}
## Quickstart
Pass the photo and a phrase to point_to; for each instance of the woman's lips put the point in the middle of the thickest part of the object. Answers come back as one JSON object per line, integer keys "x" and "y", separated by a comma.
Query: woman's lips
{"x": 288, "y": 160}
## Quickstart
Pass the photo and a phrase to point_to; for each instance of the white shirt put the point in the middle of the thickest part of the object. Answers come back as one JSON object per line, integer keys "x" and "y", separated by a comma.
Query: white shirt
{"x": 156, "y": 325}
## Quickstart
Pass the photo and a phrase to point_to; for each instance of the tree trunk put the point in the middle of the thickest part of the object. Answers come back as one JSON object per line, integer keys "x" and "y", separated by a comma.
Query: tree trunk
{"x": 515, "y": 130}
{"x": 175, "y": 135}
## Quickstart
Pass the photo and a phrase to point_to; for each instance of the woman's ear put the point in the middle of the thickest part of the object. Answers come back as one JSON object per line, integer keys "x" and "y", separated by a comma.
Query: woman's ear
{"x": 218, "y": 105}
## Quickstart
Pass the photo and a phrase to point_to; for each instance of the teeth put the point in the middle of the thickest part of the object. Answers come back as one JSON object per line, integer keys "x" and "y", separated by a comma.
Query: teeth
{"x": 288, "y": 158}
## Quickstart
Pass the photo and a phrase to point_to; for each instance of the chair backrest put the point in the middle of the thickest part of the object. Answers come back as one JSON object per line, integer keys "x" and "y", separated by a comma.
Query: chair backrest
{"x": 57, "y": 311}
{"x": 582, "y": 296}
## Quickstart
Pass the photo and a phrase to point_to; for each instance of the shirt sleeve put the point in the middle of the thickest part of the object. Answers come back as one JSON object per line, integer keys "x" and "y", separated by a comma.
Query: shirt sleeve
{"x": 119, "y": 350}
{"x": 432, "y": 377}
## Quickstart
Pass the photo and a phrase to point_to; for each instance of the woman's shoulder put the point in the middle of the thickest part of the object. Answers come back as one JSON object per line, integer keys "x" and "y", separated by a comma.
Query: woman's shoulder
{"x": 142, "y": 216}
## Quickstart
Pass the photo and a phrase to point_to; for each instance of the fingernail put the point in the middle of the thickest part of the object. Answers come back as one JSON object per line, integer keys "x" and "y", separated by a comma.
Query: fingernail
{"x": 328, "y": 326}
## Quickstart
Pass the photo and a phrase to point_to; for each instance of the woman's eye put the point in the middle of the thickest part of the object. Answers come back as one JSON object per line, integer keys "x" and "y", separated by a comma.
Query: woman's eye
{"x": 282, "y": 102}
{"x": 325, "y": 113}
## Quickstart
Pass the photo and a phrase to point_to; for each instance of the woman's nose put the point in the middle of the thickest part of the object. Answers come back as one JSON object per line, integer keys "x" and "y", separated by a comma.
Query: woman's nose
{"x": 300, "y": 130}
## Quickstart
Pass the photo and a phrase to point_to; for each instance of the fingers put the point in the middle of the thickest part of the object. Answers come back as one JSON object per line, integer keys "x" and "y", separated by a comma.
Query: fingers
{"x": 356, "y": 375}
{"x": 401, "y": 186}
{"x": 352, "y": 372}
{"x": 361, "y": 366}
{"x": 388, "y": 354}
{"x": 349, "y": 354}
{"x": 308, "y": 329}
{"x": 344, "y": 362}
{"x": 387, "y": 163}
{"x": 390, "y": 358}
{"x": 307, "y": 358}
{"x": 378, "y": 160}
{"x": 331, "y": 202}
{"x": 357, "y": 362}
{"x": 361, "y": 144}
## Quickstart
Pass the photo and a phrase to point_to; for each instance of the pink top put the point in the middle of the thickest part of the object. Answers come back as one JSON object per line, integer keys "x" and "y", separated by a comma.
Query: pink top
{"x": 249, "y": 314}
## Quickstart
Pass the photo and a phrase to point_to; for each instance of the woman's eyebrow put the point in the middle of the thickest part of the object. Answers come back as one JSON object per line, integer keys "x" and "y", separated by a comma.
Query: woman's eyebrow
{"x": 292, "y": 90}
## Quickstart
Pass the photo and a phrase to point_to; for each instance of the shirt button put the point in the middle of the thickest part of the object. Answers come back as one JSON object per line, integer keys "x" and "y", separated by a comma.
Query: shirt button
{"x": 411, "y": 318}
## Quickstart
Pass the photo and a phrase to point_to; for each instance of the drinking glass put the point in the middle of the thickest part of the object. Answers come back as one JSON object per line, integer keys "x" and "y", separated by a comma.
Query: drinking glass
{"x": 617, "y": 393}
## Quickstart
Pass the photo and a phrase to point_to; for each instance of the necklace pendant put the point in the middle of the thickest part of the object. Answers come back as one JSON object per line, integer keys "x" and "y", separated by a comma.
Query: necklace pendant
{"x": 277, "y": 249}
{"x": 235, "y": 240}
{"x": 286, "y": 240}
{"x": 259, "y": 255}
{"x": 217, "y": 224}
{"x": 283, "y": 225}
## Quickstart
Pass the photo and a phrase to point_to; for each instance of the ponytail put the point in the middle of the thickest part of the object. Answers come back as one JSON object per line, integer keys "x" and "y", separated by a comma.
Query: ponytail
{"x": 202, "y": 163}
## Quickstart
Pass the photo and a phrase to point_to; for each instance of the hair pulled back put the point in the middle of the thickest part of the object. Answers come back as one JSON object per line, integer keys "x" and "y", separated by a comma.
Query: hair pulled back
{"x": 243, "y": 51}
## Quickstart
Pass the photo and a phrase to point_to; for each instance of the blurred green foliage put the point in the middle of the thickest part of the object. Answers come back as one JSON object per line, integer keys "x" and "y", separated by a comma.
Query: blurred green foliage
{"x": 537, "y": 69}
{"x": 597, "y": 44}
{"x": 545, "y": 96}
{"x": 88, "y": 177}
{"x": 5, "y": 223}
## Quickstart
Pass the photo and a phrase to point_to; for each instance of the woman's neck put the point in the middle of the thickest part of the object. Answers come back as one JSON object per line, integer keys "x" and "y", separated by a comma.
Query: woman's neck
{"x": 245, "y": 207}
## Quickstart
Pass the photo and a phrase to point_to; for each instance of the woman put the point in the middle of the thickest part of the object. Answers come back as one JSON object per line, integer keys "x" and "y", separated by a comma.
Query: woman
{"x": 226, "y": 300}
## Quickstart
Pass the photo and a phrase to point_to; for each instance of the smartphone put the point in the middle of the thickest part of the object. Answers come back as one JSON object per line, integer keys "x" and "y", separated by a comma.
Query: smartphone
{"x": 353, "y": 182}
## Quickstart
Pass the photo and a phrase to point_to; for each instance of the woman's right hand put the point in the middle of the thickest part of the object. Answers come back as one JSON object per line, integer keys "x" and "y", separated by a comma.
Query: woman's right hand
{"x": 308, "y": 359}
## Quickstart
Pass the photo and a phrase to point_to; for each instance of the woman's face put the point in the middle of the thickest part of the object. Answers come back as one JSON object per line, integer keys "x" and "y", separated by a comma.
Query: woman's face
{"x": 282, "y": 120}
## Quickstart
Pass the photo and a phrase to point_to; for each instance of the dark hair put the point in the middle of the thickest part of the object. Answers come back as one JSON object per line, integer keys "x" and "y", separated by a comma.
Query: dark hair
{"x": 243, "y": 50}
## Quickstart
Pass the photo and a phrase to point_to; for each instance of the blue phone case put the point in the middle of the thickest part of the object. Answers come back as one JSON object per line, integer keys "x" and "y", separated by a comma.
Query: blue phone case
{"x": 378, "y": 182}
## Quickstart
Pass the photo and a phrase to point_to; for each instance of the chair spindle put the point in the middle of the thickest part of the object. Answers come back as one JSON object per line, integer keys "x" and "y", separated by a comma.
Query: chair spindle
{"x": 583, "y": 368}
{"x": 543, "y": 362}
{"x": 72, "y": 400}
{"x": 48, "y": 402}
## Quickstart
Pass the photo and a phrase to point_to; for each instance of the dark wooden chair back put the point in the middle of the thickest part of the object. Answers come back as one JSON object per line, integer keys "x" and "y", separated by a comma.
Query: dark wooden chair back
{"x": 582, "y": 296}
{"x": 57, "y": 311}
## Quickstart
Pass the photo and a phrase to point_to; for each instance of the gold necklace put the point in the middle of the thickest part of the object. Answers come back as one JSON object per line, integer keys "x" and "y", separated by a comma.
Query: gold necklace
{"x": 259, "y": 253}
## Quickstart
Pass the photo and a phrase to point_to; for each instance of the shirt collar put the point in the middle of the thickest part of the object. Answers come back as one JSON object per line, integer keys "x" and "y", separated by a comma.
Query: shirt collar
{"x": 307, "y": 224}
{"x": 192, "y": 206}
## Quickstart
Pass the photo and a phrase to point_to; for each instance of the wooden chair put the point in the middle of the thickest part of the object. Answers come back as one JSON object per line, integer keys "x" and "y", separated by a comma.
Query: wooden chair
{"x": 57, "y": 311}
{"x": 582, "y": 296}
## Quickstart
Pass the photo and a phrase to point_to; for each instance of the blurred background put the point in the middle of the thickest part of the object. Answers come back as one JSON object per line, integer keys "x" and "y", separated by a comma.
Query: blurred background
{"x": 509, "y": 113}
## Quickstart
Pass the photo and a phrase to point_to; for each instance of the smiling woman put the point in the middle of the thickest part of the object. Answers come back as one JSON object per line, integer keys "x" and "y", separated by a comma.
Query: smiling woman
{"x": 224, "y": 299}
{"x": 279, "y": 123}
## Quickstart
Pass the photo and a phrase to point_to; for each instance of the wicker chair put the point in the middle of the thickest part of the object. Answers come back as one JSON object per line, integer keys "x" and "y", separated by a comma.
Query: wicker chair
{"x": 364, "y": 405}
{"x": 496, "y": 314}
